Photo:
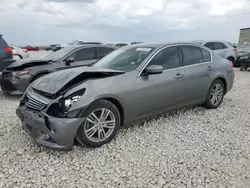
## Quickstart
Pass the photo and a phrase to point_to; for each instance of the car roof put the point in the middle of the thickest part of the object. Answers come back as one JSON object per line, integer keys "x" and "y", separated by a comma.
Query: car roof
{"x": 206, "y": 41}
{"x": 92, "y": 45}
{"x": 159, "y": 44}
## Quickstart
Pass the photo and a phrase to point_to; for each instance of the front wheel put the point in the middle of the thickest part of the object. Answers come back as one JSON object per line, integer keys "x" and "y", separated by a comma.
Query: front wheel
{"x": 215, "y": 95}
{"x": 101, "y": 124}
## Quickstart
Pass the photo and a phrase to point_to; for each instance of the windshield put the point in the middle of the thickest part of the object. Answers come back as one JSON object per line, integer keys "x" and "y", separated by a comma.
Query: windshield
{"x": 59, "y": 54}
{"x": 124, "y": 59}
{"x": 73, "y": 42}
{"x": 244, "y": 47}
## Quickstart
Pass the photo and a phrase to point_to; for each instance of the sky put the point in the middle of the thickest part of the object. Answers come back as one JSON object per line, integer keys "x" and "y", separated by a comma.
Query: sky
{"x": 43, "y": 22}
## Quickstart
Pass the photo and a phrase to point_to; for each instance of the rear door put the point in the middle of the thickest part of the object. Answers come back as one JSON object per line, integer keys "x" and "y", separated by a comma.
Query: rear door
{"x": 198, "y": 68}
{"x": 220, "y": 48}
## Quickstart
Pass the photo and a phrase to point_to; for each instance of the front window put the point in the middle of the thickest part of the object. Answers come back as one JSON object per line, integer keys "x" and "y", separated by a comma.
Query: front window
{"x": 59, "y": 54}
{"x": 125, "y": 59}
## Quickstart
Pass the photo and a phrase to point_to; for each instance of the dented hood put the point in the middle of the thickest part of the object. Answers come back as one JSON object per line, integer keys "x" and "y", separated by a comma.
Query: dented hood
{"x": 62, "y": 80}
{"x": 28, "y": 63}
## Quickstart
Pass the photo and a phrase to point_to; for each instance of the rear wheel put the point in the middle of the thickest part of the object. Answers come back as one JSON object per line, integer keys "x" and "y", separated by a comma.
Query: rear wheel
{"x": 215, "y": 95}
{"x": 101, "y": 125}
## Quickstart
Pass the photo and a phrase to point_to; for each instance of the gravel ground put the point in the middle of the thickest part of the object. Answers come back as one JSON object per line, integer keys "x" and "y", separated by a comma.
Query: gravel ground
{"x": 188, "y": 148}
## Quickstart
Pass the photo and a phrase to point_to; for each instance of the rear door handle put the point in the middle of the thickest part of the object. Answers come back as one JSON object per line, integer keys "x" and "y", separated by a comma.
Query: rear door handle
{"x": 209, "y": 68}
{"x": 178, "y": 76}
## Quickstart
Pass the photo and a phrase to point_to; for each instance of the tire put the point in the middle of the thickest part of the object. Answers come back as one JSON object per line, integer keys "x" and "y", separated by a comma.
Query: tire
{"x": 97, "y": 107}
{"x": 231, "y": 60}
{"x": 5, "y": 94}
{"x": 241, "y": 68}
{"x": 208, "y": 102}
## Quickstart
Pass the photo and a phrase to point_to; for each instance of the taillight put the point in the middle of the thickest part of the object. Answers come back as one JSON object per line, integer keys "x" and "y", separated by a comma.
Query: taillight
{"x": 231, "y": 65}
{"x": 9, "y": 50}
{"x": 235, "y": 50}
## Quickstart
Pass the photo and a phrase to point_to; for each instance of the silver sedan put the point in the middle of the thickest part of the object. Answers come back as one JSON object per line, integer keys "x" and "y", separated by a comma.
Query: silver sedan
{"x": 90, "y": 104}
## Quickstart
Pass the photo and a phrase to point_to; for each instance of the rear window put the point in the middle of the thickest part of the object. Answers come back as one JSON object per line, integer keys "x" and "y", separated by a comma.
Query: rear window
{"x": 3, "y": 43}
{"x": 206, "y": 55}
{"x": 218, "y": 46}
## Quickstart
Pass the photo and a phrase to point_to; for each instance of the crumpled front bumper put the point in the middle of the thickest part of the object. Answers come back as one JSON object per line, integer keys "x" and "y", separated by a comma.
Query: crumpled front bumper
{"x": 15, "y": 85}
{"x": 48, "y": 131}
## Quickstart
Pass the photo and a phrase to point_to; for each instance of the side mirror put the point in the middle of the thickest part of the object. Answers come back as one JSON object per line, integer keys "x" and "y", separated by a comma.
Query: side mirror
{"x": 154, "y": 69}
{"x": 69, "y": 60}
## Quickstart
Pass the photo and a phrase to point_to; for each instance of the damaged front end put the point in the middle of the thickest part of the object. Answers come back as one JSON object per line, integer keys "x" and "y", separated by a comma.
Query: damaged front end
{"x": 46, "y": 111}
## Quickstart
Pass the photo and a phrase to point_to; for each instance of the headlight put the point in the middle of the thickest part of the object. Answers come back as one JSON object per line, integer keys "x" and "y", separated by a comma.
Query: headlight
{"x": 70, "y": 100}
{"x": 244, "y": 57}
{"x": 19, "y": 73}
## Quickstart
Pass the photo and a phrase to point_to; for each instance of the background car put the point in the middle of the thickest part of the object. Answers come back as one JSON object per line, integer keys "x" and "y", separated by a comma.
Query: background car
{"x": 117, "y": 44}
{"x": 30, "y": 48}
{"x": 6, "y": 54}
{"x": 21, "y": 53}
{"x": 17, "y": 77}
{"x": 136, "y": 43}
{"x": 76, "y": 42}
{"x": 222, "y": 48}
{"x": 52, "y": 47}
{"x": 130, "y": 84}
{"x": 243, "y": 57}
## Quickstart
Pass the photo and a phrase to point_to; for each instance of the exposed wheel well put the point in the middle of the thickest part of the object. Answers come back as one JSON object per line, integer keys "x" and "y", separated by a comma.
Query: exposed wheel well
{"x": 224, "y": 82}
{"x": 119, "y": 107}
{"x": 232, "y": 58}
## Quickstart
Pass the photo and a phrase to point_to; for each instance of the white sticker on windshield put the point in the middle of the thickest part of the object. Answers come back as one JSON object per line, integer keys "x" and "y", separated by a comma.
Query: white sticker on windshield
{"x": 143, "y": 49}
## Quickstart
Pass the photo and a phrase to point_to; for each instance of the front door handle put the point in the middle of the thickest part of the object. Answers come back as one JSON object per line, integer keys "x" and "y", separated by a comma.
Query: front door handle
{"x": 209, "y": 68}
{"x": 178, "y": 76}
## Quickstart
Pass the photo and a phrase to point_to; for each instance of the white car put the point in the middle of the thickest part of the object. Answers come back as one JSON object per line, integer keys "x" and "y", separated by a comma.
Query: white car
{"x": 117, "y": 44}
{"x": 19, "y": 53}
{"x": 75, "y": 42}
{"x": 223, "y": 48}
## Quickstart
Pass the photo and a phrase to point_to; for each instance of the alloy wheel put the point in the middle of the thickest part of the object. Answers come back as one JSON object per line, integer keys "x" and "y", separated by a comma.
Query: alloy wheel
{"x": 99, "y": 125}
{"x": 216, "y": 94}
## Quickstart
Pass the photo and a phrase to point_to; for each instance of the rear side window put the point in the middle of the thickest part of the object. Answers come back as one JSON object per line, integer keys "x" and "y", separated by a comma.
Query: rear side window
{"x": 206, "y": 55}
{"x": 3, "y": 44}
{"x": 102, "y": 51}
{"x": 224, "y": 46}
{"x": 191, "y": 55}
{"x": 168, "y": 58}
{"x": 219, "y": 46}
{"x": 84, "y": 54}
{"x": 209, "y": 45}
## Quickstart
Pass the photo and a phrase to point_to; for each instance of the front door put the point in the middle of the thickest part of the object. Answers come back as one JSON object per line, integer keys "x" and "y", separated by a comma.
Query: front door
{"x": 157, "y": 92}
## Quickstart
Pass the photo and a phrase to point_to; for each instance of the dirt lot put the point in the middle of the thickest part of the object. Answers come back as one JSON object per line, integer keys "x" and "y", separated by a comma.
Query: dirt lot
{"x": 189, "y": 148}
